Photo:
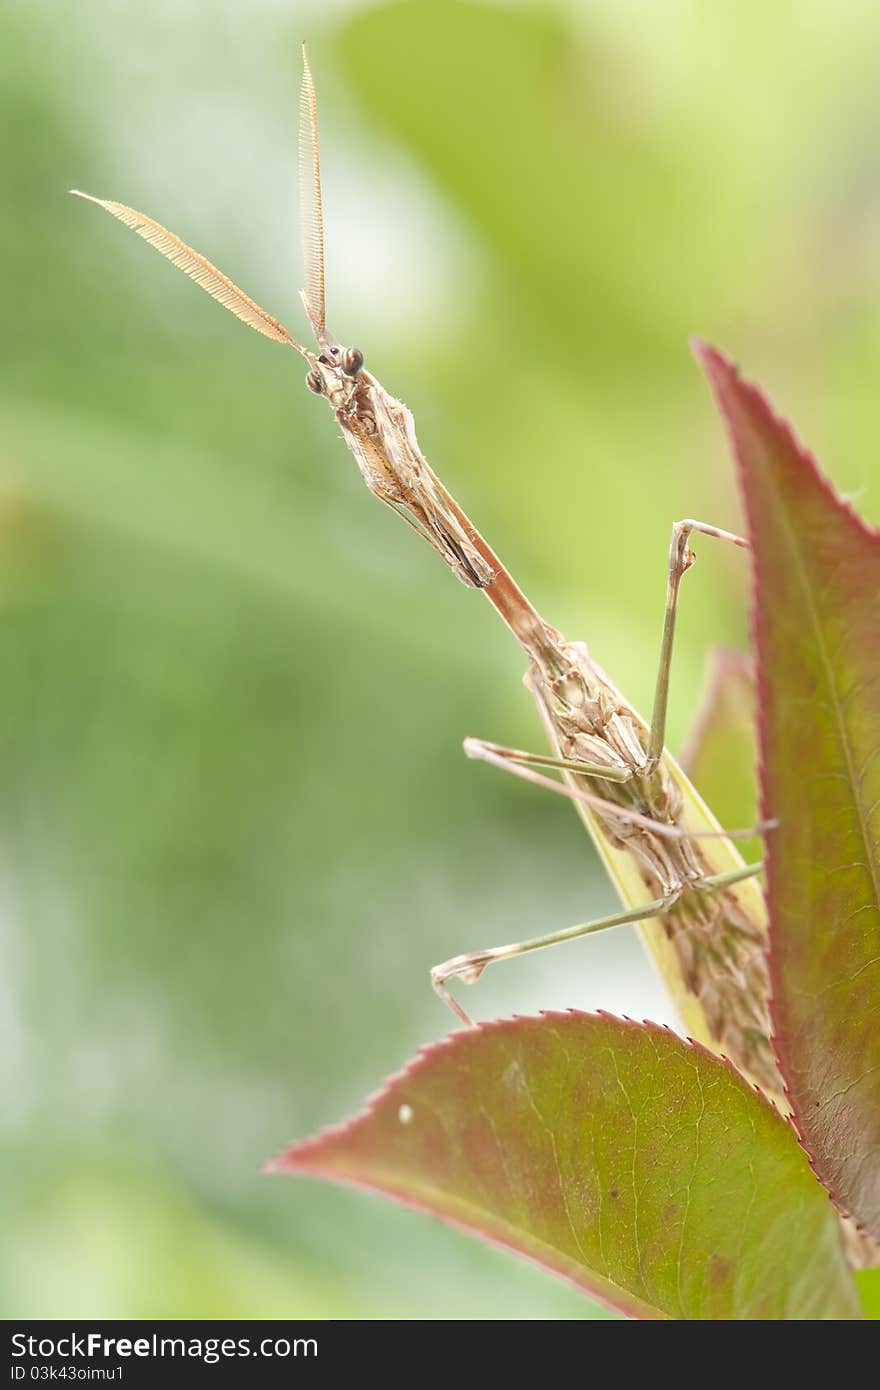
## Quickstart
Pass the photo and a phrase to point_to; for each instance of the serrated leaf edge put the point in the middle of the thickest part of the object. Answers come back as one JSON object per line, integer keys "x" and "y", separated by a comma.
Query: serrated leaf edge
{"x": 709, "y": 356}
{"x": 295, "y": 1158}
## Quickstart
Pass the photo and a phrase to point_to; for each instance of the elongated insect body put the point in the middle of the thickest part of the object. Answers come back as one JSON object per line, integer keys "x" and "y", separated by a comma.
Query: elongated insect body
{"x": 678, "y": 875}
{"x": 381, "y": 435}
{"x": 707, "y": 946}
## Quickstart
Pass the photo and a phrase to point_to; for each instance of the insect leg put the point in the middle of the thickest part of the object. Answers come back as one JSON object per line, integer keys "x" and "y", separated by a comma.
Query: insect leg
{"x": 480, "y": 748}
{"x": 681, "y": 557}
{"x": 515, "y": 761}
{"x": 469, "y": 967}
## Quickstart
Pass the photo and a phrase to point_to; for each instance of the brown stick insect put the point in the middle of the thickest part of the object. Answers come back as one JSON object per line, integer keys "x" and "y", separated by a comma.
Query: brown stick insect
{"x": 698, "y": 906}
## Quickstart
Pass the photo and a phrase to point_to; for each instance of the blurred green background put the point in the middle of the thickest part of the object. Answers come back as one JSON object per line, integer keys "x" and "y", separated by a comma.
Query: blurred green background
{"x": 236, "y": 826}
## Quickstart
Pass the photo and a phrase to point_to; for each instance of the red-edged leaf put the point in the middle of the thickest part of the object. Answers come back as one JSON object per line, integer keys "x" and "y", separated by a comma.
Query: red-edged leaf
{"x": 817, "y": 628}
{"x": 721, "y": 753}
{"x": 637, "y": 1165}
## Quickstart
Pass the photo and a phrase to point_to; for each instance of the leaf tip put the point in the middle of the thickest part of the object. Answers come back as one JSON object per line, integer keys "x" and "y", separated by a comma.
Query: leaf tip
{"x": 720, "y": 369}
{"x": 270, "y": 1166}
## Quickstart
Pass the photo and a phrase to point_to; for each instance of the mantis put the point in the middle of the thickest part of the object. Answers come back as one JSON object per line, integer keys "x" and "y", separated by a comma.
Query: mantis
{"x": 681, "y": 880}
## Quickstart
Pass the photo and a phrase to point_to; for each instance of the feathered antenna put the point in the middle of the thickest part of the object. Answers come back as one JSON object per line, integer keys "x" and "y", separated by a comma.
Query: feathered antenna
{"x": 218, "y": 285}
{"x": 311, "y": 206}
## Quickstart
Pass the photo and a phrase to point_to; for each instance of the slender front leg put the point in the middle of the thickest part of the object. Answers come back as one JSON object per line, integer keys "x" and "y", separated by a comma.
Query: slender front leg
{"x": 681, "y": 557}
{"x": 468, "y": 968}
{"x": 499, "y": 754}
{"x": 516, "y": 761}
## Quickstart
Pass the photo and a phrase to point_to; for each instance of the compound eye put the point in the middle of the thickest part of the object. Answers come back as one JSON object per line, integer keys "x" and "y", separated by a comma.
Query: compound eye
{"x": 352, "y": 361}
{"x": 313, "y": 381}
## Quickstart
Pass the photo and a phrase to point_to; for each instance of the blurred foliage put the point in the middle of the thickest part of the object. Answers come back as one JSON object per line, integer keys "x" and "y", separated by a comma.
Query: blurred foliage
{"x": 721, "y": 752}
{"x": 235, "y": 825}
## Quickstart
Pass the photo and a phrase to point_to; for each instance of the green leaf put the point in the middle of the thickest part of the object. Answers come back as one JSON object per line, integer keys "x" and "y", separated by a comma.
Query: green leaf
{"x": 817, "y": 624}
{"x": 721, "y": 753}
{"x": 635, "y": 1164}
